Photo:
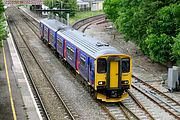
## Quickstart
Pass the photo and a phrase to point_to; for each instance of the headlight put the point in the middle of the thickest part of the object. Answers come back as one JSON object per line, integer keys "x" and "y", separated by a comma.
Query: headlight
{"x": 125, "y": 82}
{"x": 101, "y": 83}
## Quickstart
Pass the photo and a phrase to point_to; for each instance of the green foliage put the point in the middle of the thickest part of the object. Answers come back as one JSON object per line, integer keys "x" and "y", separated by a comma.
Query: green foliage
{"x": 83, "y": 15}
{"x": 159, "y": 47}
{"x": 1, "y": 8}
{"x": 70, "y": 4}
{"x": 64, "y": 4}
{"x": 151, "y": 24}
{"x": 176, "y": 48}
{"x": 111, "y": 9}
{"x": 3, "y": 32}
{"x": 167, "y": 21}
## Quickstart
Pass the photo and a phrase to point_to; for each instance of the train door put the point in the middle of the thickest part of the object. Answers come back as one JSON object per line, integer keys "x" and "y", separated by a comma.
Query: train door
{"x": 114, "y": 72}
{"x": 83, "y": 66}
{"x": 114, "y": 67}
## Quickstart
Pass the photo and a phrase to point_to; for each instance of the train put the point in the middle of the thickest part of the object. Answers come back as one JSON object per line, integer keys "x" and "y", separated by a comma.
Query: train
{"x": 106, "y": 71}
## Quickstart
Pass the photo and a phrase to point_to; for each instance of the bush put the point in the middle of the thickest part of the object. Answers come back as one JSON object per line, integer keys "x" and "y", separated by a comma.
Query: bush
{"x": 176, "y": 49}
{"x": 3, "y": 32}
{"x": 167, "y": 21}
{"x": 159, "y": 47}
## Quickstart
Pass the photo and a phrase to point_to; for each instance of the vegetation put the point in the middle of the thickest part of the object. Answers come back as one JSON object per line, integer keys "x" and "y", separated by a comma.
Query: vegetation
{"x": 2, "y": 28}
{"x": 65, "y": 4}
{"x": 154, "y": 25}
{"x": 82, "y": 15}
{"x": 2, "y": 24}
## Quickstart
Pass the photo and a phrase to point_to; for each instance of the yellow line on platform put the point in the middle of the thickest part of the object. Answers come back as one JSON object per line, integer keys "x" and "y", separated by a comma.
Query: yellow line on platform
{"x": 9, "y": 86}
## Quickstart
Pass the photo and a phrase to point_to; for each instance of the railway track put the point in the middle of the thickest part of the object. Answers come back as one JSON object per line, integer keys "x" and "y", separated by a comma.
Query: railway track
{"x": 38, "y": 99}
{"x": 131, "y": 108}
{"x": 51, "y": 99}
{"x": 162, "y": 100}
{"x": 34, "y": 28}
{"x": 121, "y": 110}
{"x": 86, "y": 21}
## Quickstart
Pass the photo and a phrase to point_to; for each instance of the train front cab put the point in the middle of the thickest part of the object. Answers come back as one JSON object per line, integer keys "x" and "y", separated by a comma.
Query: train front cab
{"x": 113, "y": 77}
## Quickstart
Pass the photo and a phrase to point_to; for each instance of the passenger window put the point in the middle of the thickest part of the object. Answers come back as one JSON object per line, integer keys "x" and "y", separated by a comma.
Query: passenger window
{"x": 83, "y": 60}
{"x": 46, "y": 33}
{"x": 70, "y": 51}
{"x": 125, "y": 65}
{"x": 101, "y": 65}
{"x": 59, "y": 42}
{"x": 51, "y": 37}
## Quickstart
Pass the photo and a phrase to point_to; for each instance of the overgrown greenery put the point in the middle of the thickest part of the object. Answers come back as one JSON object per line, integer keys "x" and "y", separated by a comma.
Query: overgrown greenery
{"x": 154, "y": 25}
{"x": 64, "y": 4}
{"x": 75, "y": 15}
{"x": 2, "y": 24}
{"x": 82, "y": 15}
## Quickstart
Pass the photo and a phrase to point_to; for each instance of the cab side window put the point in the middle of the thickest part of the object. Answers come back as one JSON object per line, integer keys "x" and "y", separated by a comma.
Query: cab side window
{"x": 101, "y": 65}
{"x": 125, "y": 65}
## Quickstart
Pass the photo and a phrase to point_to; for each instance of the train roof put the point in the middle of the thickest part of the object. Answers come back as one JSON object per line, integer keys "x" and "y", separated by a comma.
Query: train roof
{"x": 53, "y": 24}
{"x": 87, "y": 43}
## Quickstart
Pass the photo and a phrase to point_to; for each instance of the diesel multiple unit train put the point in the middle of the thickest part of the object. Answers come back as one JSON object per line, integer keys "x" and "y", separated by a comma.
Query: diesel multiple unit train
{"x": 106, "y": 71}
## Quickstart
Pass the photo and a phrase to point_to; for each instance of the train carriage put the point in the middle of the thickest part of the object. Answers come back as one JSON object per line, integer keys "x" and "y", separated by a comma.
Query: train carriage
{"x": 107, "y": 71}
{"x": 49, "y": 29}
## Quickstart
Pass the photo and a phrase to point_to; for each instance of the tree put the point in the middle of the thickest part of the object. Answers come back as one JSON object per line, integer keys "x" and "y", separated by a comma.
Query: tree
{"x": 3, "y": 32}
{"x": 65, "y": 4}
{"x": 159, "y": 47}
{"x": 111, "y": 9}
{"x": 152, "y": 24}
{"x": 176, "y": 49}
{"x": 1, "y": 7}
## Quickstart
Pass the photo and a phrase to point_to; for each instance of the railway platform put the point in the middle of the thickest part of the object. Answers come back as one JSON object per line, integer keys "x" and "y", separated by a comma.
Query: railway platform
{"x": 16, "y": 99}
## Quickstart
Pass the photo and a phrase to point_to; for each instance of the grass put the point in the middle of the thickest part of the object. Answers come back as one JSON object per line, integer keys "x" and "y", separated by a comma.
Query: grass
{"x": 82, "y": 15}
